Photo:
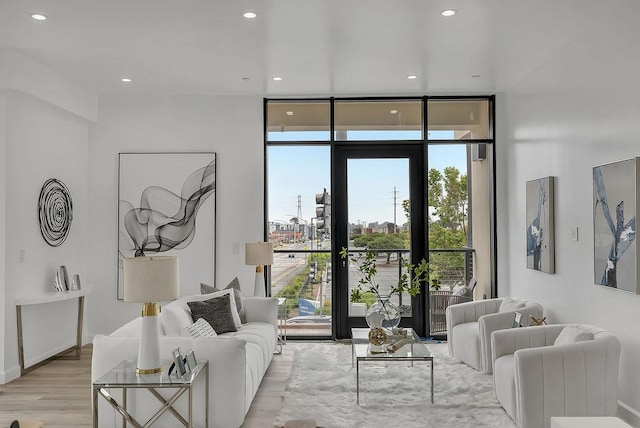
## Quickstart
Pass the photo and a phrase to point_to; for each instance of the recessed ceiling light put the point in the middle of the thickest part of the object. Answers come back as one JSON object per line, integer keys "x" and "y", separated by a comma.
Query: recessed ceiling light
{"x": 38, "y": 17}
{"x": 125, "y": 80}
{"x": 393, "y": 111}
{"x": 412, "y": 76}
{"x": 289, "y": 113}
{"x": 249, "y": 15}
{"x": 448, "y": 12}
{"x": 277, "y": 78}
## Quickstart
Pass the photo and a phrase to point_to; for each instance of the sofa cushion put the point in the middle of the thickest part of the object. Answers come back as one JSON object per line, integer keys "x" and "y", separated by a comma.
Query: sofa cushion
{"x": 505, "y": 384}
{"x": 216, "y": 311}
{"x": 174, "y": 319}
{"x": 466, "y": 342}
{"x": 237, "y": 294}
{"x": 572, "y": 335}
{"x": 510, "y": 305}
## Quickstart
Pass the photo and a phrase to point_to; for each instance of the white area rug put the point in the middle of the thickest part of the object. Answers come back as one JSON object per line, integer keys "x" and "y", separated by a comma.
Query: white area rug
{"x": 322, "y": 386}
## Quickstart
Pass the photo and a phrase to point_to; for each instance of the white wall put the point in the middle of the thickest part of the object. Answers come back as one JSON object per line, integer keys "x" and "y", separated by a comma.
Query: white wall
{"x": 230, "y": 126}
{"x": 578, "y": 110}
{"x": 42, "y": 142}
{"x": 3, "y": 278}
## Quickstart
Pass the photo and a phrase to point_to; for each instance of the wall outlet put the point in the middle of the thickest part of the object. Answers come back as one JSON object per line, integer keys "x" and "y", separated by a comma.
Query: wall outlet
{"x": 21, "y": 255}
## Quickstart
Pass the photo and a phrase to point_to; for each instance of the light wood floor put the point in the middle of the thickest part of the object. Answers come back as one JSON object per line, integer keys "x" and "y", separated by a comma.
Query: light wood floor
{"x": 59, "y": 394}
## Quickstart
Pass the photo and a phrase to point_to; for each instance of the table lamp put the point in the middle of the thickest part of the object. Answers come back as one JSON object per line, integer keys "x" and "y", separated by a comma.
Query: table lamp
{"x": 259, "y": 254}
{"x": 148, "y": 280}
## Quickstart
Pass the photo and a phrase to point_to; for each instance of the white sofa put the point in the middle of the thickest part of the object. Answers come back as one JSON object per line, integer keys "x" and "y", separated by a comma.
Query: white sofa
{"x": 469, "y": 327}
{"x": 535, "y": 379}
{"x": 237, "y": 363}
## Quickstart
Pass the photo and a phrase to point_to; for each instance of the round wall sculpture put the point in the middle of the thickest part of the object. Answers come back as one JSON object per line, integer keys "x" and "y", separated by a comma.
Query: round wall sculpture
{"x": 55, "y": 211}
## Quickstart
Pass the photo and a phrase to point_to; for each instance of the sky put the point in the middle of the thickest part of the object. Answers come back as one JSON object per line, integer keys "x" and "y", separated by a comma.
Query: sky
{"x": 305, "y": 171}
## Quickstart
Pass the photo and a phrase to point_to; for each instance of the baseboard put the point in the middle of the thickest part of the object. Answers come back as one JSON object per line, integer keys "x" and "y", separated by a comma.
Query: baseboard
{"x": 629, "y": 414}
{"x": 9, "y": 375}
{"x": 35, "y": 360}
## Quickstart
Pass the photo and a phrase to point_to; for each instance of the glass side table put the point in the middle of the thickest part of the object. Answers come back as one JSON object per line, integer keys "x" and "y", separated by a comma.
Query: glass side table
{"x": 124, "y": 377}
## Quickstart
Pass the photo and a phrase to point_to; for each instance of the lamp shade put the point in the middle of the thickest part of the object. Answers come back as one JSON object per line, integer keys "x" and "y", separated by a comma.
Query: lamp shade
{"x": 151, "y": 279}
{"x": 258, "y": 253}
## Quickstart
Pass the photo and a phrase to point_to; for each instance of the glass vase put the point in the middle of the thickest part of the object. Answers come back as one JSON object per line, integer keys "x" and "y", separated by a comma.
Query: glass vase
{"x": 390, "y": 312}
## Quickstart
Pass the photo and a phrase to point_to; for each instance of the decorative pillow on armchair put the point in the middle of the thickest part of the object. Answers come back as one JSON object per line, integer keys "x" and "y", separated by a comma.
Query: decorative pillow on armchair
{"x": 235, "y": 285}
{"x": 572, "y": 335}
{"x": 510, "y": 305}
{"x": 216, "y": 311}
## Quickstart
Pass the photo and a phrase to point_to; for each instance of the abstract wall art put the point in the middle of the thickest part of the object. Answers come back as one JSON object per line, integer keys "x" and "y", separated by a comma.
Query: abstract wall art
{"x": 55, "y": 212}
{"x": 540, "y": 224}
{"x": 615, "y": 204}
{"x": 167, "y": 205}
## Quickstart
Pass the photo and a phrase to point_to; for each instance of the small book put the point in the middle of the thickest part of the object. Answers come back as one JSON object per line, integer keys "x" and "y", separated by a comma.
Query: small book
{"x": 516, "y": 319}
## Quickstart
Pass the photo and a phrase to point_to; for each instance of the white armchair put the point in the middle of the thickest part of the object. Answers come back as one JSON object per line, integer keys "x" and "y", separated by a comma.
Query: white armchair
{"x": 535, "y": 379}
{"x": 469, "y": 327}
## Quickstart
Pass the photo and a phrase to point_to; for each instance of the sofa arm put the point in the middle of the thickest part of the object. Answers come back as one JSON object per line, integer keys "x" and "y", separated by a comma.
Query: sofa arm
{"x": 261, "y": 309}
{"x": 578, "y": 379}
{"x": 468, "y": 312}
{"x": 227, "y": 372}
{"x": 487, "y": 324}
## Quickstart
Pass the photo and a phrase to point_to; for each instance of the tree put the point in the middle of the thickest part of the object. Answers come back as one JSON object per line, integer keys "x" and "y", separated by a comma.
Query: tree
{"x": 447, "y": 194}
{"x": 381, "y": 241}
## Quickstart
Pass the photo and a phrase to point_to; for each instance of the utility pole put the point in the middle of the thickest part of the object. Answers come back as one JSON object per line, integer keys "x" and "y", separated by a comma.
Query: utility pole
{"x": 395, "y": 204}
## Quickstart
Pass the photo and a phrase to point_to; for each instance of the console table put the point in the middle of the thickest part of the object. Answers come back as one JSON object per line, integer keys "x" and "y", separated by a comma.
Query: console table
{"x": 50, "y": 298}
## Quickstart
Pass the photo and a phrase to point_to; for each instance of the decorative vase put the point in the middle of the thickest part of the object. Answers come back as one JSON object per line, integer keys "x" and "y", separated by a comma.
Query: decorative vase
{"x": 389, "y": 312}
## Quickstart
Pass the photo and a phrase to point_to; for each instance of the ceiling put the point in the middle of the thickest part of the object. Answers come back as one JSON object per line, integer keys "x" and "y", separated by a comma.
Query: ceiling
{"x": 318, "y": 47}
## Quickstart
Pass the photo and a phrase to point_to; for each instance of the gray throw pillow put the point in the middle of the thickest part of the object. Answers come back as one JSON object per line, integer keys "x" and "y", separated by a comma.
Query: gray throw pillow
{"x": 216, "y": 311}
{"x": 235, "y": 284}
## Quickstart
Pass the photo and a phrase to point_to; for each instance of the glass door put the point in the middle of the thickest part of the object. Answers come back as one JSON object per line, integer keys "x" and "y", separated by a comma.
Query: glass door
{"x": 377, "y": 205}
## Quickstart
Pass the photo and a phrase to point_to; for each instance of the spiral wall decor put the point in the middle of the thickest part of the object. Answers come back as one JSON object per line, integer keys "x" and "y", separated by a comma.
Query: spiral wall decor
{"x": 55, "y": 211}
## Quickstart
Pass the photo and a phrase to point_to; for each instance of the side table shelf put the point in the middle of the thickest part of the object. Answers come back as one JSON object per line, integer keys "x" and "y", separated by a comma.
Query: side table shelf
{"x": 124, "y": 377}
{"x": 50, "y": 298}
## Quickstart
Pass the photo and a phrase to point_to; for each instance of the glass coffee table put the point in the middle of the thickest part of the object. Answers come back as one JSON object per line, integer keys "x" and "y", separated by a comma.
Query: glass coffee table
{"x": 362, "y": 350}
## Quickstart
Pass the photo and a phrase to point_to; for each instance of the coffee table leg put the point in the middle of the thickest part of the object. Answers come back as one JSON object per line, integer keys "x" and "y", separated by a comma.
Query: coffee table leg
{"x": 95, "y": 407}
{"x": 431, "y": 381}
{"x": 357, "y": 381}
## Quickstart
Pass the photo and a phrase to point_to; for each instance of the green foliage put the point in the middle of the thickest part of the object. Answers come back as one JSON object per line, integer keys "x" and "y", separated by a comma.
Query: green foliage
{"x": 448, "y": 194}
{"x": 367, "y": 284}
{"x": 326, "y": 308}
{"x": 379, "y": 241}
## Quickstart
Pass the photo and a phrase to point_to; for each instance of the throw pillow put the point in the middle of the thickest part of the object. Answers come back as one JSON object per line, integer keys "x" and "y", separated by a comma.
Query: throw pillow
{"x": 572, "y": 335}
{"x": 510, "y": 305}
{"x": 174, "y": 319}
{"x": 203, "y": 297}
{"x": 216, "y": 311}
{"x": 237, "y": 294}
{"x": 200, "y": 328}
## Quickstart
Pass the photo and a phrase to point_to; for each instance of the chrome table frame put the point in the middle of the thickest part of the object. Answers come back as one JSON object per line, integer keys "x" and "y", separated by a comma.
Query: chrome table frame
{"x": 151, "y": 383}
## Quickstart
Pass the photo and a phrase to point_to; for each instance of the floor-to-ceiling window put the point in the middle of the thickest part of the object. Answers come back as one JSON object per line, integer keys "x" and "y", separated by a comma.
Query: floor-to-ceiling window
{"x": 406, "y": 177}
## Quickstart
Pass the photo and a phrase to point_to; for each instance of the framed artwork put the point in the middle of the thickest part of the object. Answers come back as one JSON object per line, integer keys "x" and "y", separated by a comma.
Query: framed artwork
{"x": 615, "y": 204}
{"x": 167, "y": 206}
{"x": 540, "y": 224}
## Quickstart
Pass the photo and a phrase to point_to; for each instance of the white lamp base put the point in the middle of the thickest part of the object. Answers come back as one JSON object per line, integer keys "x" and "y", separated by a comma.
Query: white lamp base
{"x": 149, "y": 350}
{"x": 259, "y": 289}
